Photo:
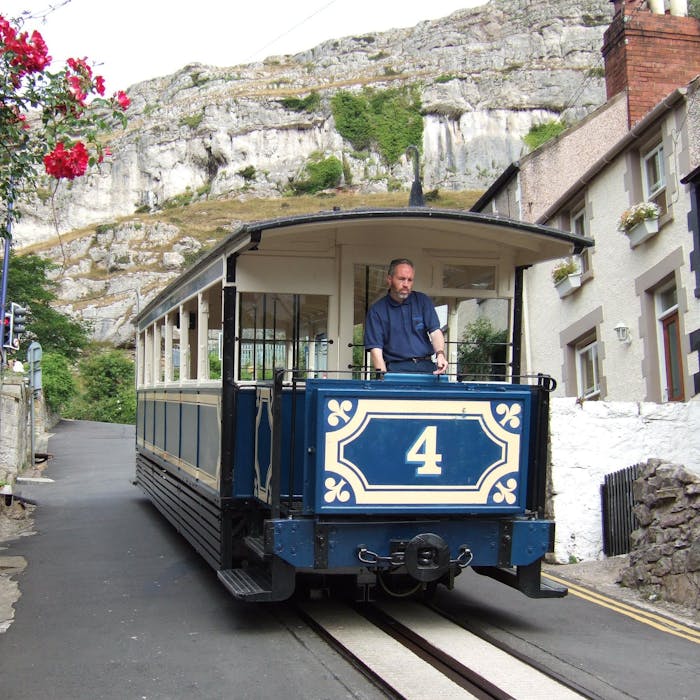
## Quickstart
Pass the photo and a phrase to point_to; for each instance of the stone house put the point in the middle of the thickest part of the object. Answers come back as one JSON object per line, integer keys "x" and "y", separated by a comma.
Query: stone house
{"x": 625, "y": 325}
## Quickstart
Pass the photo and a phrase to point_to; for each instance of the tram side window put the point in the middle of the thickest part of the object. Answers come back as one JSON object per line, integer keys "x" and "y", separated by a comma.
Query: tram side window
{"x": 483, "y": 346}
{"x": 199, "y": 346}
{"x": 175, "y": 352}
{"x": 370, "y": 285}
{"x": 160, "y": 351}
{"x": 185, "y": 352}
{"x": 211, "y": 302}
{"x": 282, "y": 330}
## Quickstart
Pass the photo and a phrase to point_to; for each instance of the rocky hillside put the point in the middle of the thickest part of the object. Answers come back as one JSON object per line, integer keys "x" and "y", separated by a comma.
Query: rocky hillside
{"x": 484, "y": 76}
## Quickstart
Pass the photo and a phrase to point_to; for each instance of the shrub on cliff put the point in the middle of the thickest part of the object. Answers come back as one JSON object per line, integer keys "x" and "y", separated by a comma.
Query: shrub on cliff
{"x": 319, "y": 174}
{"x": 388, "y": 120}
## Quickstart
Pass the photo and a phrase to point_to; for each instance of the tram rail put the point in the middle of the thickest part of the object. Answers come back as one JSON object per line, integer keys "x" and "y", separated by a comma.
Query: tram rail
{"x": 413, "y": 651}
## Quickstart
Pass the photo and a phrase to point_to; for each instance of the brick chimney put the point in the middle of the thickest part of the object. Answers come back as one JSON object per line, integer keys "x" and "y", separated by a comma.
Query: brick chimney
{"x": 649, "y": 53}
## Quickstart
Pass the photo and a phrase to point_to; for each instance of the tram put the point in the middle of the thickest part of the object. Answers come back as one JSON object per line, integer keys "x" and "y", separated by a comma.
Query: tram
{"x": 264, "y": 436}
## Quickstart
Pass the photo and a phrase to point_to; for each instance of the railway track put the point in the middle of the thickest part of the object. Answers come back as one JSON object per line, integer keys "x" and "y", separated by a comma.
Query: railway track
{"x": 414, "y": 652}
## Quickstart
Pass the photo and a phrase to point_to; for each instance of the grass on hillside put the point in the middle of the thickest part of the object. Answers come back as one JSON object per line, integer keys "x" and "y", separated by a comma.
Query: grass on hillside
{"x": 213, "y": 219}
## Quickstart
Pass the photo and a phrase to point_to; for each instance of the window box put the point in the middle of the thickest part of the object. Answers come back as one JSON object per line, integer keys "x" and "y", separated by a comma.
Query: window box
{"x": 640, "y": 222}
{"x": 567, "y": 277}
{"x": 642, "y": 231}
{"x": 568, "y": 284}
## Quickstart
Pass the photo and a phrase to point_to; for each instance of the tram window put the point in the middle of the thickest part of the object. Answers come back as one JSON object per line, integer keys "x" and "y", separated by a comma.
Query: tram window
{"x": 176, "y": 363}
{"x": 483, "y": 344}
{"x": 159, "y": 331}
{"x": 214, "y": 347}
{"x": 369, "y": 286}
{"x": 282, "y": 330}
{"x": 469, "y": 277}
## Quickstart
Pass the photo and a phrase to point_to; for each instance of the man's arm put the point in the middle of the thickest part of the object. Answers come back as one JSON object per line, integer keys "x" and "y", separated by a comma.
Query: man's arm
{"x": 377, "y": 357}
{"x": 438, "y": 341}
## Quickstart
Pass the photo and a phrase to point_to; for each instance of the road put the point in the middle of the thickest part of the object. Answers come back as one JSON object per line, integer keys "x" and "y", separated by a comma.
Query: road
{"x": 116, "y": 605}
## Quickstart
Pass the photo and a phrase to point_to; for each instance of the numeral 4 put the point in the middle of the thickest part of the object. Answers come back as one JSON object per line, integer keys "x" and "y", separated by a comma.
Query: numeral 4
{"x": 424, "y": 451}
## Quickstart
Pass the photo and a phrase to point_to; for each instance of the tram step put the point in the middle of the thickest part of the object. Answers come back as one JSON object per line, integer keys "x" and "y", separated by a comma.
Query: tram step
{"x": 527, "y": 579}
{"x": 250, "y": 584}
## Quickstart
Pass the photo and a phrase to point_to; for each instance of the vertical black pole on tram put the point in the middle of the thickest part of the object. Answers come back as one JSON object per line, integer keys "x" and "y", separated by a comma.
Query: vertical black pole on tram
{"x": 229, "y": 394}
{"x": 516, "y": 362}
{"x": 276, "y": 457}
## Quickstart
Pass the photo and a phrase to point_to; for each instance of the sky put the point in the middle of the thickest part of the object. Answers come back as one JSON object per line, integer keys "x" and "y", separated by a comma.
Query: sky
{"x": 128, "y": 41}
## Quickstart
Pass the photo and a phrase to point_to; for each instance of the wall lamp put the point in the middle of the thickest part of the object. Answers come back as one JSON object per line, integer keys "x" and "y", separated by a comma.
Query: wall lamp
{"x": 623, "y": 333}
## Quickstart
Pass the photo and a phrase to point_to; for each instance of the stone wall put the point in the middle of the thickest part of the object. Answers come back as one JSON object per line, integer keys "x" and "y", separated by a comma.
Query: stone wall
{"x": 665, "y": 559}
{"x": 15, "y": 439}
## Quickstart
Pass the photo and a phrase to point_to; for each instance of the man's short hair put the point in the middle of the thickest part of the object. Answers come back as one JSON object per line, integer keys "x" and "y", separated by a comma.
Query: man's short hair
{"x": 399, "y": 261}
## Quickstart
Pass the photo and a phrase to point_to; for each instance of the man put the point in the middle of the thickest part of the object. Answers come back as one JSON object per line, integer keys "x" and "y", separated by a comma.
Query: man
{"x": 402, "y": 330}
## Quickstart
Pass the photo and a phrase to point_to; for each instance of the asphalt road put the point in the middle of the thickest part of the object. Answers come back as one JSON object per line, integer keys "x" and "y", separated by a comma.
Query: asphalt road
{"x": 116, "y": 605}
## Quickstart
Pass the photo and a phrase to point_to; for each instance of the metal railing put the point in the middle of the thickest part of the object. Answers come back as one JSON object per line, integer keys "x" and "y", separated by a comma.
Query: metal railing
{"x": 619, "y": 520}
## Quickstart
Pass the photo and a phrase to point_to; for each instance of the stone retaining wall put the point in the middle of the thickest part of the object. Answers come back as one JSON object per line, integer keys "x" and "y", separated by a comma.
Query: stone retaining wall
{"x": 665, "y": 559}
{"x": 16, "y": 425}
{"x": 15, "y": 440}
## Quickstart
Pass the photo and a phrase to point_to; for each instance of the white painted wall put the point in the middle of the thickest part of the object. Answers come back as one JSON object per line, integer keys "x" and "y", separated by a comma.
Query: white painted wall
{"x": 600, "y": 437}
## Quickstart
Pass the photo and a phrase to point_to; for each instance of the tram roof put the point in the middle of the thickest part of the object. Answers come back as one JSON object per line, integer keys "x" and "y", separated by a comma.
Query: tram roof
{"x": 526, "y": 243}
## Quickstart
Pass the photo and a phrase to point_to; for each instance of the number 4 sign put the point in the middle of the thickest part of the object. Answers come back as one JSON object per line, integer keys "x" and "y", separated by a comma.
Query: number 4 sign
{"x": 424, "y": 452}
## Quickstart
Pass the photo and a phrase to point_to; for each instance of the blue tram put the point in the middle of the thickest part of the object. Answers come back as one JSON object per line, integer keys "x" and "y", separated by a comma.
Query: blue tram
{"x": 264, "y": 437}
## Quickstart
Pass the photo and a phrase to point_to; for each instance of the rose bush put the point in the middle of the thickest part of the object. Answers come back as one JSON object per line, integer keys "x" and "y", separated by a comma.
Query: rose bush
{"x": 53, "y": 119}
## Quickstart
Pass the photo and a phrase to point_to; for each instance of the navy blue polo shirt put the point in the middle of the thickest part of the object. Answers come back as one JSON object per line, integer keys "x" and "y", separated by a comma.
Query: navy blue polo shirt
{"x": 401, "y": 329}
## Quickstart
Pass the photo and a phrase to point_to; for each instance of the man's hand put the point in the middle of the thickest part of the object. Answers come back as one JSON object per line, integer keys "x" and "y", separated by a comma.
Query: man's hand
{"x": 441, "y": 362}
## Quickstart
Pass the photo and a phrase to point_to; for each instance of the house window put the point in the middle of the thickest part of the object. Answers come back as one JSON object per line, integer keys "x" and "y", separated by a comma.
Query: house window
{"x": 587, "y": 372}
{"x": 578, "y": 221}
{"x": 654, "y": 177}
{"x": 666, "y": 301}
{"x": 579, "y": 225}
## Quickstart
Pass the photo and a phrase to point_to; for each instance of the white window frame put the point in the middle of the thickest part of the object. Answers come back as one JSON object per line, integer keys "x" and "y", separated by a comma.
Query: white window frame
{"x": 654, "y": 191}
{"x": 578, "y": 223}
{"x": 578, "y": 215}
{"x": 582, "y": 351}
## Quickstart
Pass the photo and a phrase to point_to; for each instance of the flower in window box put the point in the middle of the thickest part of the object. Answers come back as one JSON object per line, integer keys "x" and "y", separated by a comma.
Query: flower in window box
{"x": 567, "y": 277}
{"x": 636, "y": 215}
{"x": 564, "y": 269}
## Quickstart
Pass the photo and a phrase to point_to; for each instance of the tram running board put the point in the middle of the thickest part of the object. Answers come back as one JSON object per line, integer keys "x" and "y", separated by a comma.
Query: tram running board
{"x": 263, "y": 584}
{"x": 251, "y": 583}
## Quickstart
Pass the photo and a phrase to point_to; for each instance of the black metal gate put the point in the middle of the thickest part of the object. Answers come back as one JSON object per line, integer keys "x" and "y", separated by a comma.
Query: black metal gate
{"x": 618, "y": 518}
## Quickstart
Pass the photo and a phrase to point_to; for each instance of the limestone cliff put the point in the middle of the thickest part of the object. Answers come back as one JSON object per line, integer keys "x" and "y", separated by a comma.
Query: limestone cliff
{"x": 485, "y": 75}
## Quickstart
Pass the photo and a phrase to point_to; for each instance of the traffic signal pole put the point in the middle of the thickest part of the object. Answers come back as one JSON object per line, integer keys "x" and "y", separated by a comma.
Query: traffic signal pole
{"x": 5, "y": 271}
